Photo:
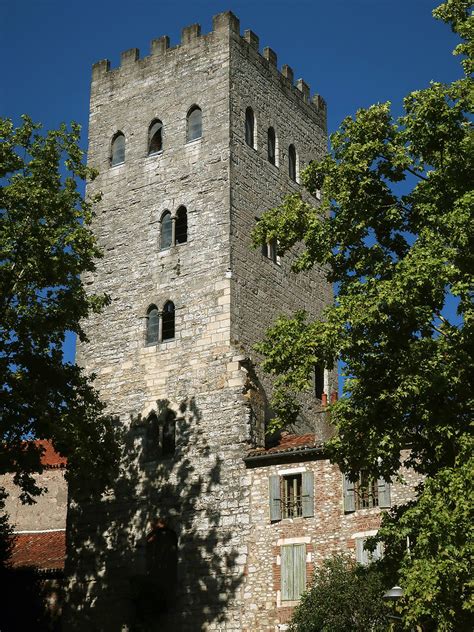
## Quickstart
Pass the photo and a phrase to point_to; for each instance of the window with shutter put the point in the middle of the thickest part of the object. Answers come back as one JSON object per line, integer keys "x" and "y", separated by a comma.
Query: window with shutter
{"x": 366, "y": 493}
{"x": 293, "y": 571}
{"x": 365, "y": 557}
{"x": 291, "y": 496}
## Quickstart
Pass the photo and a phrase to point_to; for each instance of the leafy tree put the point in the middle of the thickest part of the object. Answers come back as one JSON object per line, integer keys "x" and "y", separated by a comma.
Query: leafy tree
{"x": 45, "y": 245}
{"x": 394, "y": 231}
{"x": 343, "y": 596}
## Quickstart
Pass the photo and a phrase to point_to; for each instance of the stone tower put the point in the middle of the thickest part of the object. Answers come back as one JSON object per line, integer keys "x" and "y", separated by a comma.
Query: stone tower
{"x": 192, "y": 144}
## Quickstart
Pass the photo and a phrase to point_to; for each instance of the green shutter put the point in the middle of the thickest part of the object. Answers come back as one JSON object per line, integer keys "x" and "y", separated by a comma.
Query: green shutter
{"x": 362, "y": 556}
{"x": 274, "y": 496}
{"x": 299, "y": 570}
{"x": 307, "y": 498}
{"x": 349, "y": 495}
{"x": 293, "y": 571}
{"x": 286, "y": 569}
{"x": 383, "y": 493}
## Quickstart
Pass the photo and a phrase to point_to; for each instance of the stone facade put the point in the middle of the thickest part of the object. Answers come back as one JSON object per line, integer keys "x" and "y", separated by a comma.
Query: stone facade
{"x": 202, "y": 500}
{"x": 329, "y": 530}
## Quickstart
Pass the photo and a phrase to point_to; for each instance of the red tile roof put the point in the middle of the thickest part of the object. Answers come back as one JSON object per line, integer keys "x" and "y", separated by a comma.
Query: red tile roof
{"x": 289, "y": 443}
{"x": 50, "y": 458}
{"x": 44, "y": 551}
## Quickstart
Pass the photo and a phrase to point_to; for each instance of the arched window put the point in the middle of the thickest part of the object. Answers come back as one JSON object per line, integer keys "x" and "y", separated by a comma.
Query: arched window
{"x": 155, "y": 137}
{"x": 166, "y": 235}
{"x": 152, "y": 325}
{"x": 169, "y": 434}
{"x": 162, "y": 573}
{"x": 250, "y": 127}
{"x": 194, "y": 123}
{"x": 117, "y": 156}
{"x": 181, "y": 228}
{"x": 271, "y": 145}
{"x": 292, "y": 162}
{"x": 152, "y": 438}
{"x": 168, "y": 321}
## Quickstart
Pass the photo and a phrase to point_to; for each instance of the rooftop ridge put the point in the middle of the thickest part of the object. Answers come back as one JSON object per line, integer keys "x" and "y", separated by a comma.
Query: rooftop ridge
{"x": 222, "y": 22}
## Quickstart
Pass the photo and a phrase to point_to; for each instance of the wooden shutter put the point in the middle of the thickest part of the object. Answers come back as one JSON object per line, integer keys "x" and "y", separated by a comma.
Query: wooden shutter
{"x": 274, "y": 496}
{"x": 383, "y": 493}
{"x": 307, "y": 494}
{"x": 293, "y": 571}
{"x": 299, "y": 570}
{"x": 349, "y": 495}
{"x": 362, "y": 556}
{"x": 286, "y": 573}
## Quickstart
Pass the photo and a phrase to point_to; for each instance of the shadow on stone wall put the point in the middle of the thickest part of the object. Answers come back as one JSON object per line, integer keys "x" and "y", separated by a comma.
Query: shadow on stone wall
{"x": 118, "y": 577}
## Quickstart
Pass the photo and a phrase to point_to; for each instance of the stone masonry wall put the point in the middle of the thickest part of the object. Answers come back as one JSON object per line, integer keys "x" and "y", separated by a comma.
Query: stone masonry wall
{"x": 225, "y": 295}
{"x": 329, "y": 531}
{"x": 263, "y": 289}
{"x": 199, "y": 493}
{"x": 49, "y": 510}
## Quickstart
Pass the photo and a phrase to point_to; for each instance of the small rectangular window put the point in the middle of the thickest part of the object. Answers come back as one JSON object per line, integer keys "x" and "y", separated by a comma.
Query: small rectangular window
{"x": 293, "y": 571}
{"x": 291, "y": 496}
{"x": 270, "y": 250}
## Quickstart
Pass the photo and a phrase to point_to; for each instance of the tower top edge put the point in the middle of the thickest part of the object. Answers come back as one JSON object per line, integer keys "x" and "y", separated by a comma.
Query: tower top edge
{"x": 190, "y": 35}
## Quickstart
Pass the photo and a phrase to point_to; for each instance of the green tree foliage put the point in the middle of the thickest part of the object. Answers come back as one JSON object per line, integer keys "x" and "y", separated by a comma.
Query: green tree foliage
{"x": 45, "y": 245}
{"x": 394, "y": 231}
{"x": 343, "y": 596}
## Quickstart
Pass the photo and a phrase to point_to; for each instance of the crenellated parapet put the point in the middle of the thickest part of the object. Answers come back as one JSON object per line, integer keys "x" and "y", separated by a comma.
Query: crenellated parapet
{"x": 224, "y": 25}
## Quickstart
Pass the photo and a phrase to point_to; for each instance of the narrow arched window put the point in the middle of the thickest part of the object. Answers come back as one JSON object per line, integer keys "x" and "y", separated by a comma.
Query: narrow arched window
{"x": 117, "y": 156}
{"x": 152, "y": 438}
{"x": 194, "y": 124}
{"x": 168, "y": 321}
{"x": 181, "y": 236}
{"x": 271, "y": 145}
{"x": 155, "y": 137}
{"x": 249, "y": 127}
{"x": 292, "y": 162}
{"x": 152, "y": 325}
{"x": 166, "y": 235}
{"x": 162, "y": 570}
{"x": 169, "y": 434}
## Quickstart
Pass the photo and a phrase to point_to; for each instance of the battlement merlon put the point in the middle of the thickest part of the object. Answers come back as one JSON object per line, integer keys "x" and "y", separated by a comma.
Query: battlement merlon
{"x": 225, "y": 22}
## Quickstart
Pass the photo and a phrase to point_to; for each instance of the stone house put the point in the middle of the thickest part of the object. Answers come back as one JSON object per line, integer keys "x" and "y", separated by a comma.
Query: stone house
{"x": 32, "y": 585}
{"x": 303, "y": 511}
{"x": 193, "y": 143}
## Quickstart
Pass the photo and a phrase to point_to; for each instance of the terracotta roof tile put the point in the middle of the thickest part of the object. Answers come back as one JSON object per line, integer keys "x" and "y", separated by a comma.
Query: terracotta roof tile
{"x": 50, "y": 458}
{"x": 44, "y": 551}
{"x": 289, "y": 443}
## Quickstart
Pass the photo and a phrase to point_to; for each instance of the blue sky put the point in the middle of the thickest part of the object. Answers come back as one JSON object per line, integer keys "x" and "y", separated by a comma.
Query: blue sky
{"x": 352, "y": 52}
